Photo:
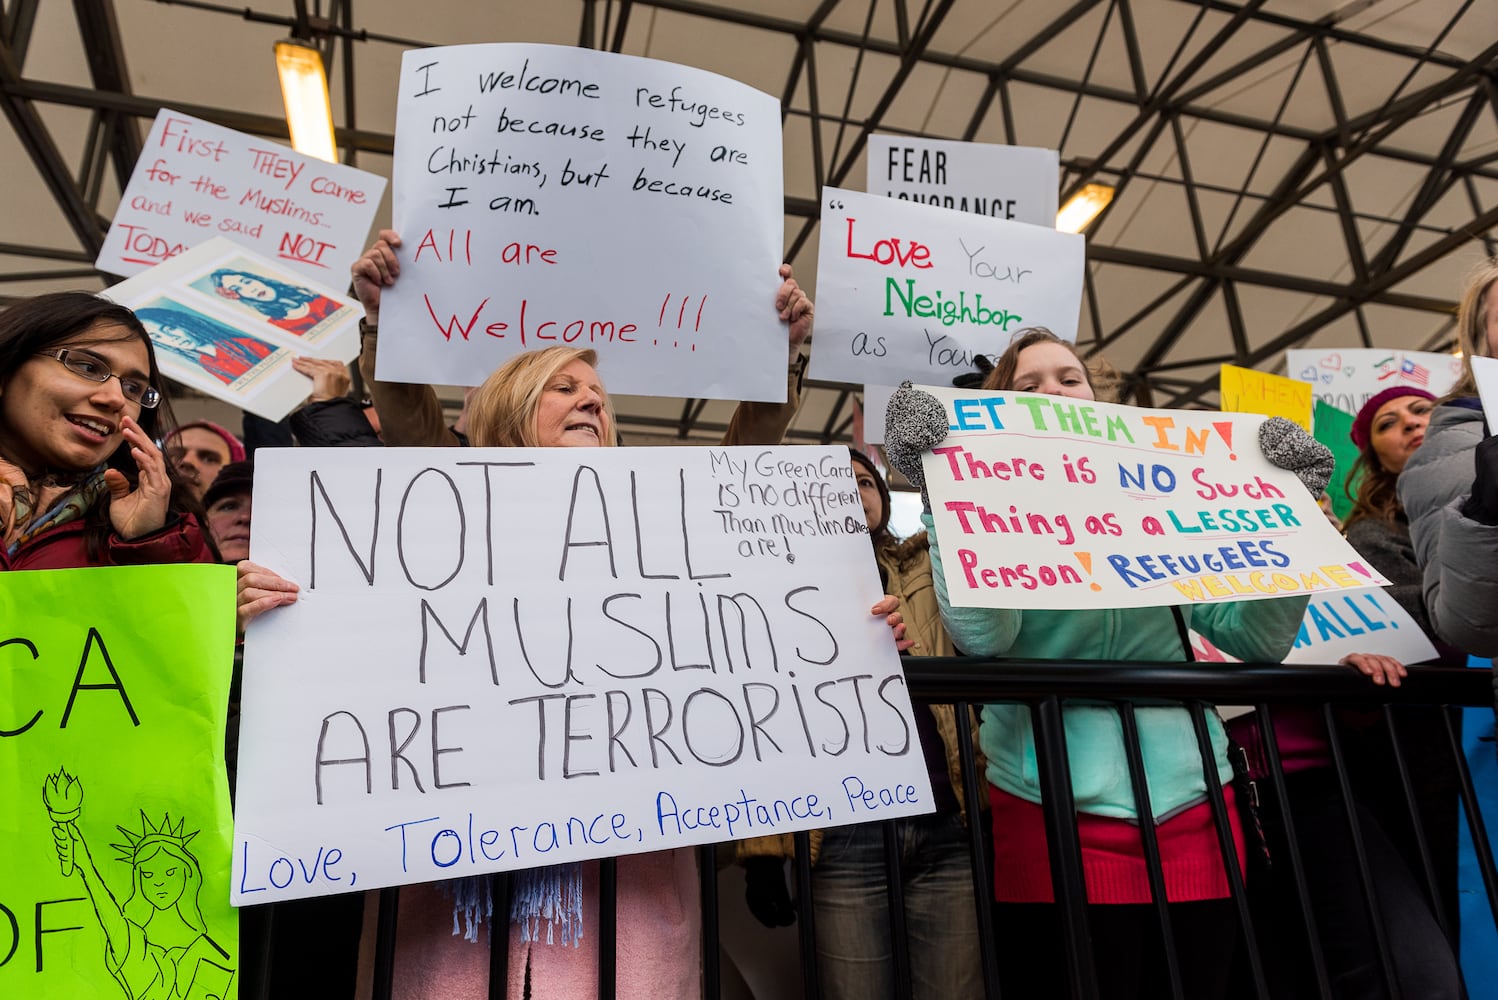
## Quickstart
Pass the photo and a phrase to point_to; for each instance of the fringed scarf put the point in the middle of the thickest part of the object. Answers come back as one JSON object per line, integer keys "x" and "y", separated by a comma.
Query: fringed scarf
{"x": 27, "y": 509}
{"x": 551, "y": 896}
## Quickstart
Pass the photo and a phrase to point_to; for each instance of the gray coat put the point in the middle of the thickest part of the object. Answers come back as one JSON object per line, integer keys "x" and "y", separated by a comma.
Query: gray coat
{"x": 1458, "y": 556}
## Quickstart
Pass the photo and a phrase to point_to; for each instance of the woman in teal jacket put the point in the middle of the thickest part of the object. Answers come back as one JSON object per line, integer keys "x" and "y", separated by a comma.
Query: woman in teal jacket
{"x": 1196, "y": 883}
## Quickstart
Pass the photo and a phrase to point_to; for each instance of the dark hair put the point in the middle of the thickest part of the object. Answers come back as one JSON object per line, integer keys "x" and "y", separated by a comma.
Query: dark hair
{"x": 36, "y": 324}
{"x": 288, "y": 297}
{"x": 1101, "y": 376}
{"x": 205, "y": 331}
{"x": 1368, "y": 483}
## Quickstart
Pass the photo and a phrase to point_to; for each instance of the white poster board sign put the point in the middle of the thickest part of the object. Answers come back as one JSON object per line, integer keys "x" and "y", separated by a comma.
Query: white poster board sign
{"x": 196, "y": 180}
{"x": 1018, "y": 183}
{"x": 1050, "y": 502}
{"x": 229, "y": 322}
{"x": 1348, "y": 377}
{"x": 1365, "y": 621}
{"x": 505, "y": 658}
{"x": 910, "y": 291}
{"x": 1485, "y": 373}
{"x": 554, "y": 195}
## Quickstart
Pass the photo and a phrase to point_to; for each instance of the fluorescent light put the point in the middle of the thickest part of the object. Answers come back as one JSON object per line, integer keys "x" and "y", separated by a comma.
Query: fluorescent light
{"x": 304, "y": 88}
{"x": 1081, "y": 208}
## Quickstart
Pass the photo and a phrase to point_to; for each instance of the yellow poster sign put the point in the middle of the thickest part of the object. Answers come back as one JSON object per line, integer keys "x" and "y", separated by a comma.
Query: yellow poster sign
{"x": 1247, "y": 391}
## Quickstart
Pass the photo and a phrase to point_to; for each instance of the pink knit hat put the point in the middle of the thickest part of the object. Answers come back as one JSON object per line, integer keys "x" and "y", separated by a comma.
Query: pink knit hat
{"x": 1363, "y": 424}
{"x": 236, "y": 447}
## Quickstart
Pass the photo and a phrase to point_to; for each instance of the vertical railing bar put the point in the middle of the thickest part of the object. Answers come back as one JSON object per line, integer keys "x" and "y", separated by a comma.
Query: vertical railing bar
{"x": 1360, "y": 855}
{"x": 978, "y": 850}
{"x": 608, "y": 927}
{"x": 499, "y": 935}
{"x": 1292, "y": 845}
{"x": 1151, "y": 845}
{"x": 384, "y": 958}
{"x": 1229, "y": 850}
{"x": 707, "y": 872}
{"x": 894, "y": 889}
{"x": 1064, "y": 845}
{"x": 262, "y": 957}
{"x": 1417, "y": 826}
{"x": 1480, "y": 846}
{"x": 811, "y": 981}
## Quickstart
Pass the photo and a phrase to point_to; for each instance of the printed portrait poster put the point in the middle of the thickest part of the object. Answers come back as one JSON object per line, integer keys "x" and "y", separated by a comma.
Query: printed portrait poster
{"x": 1048, "y": 502}
{"x": 114, "y": 804}
{"x": 552, "y": 195}
{"x": 228, "y": 322}
{"x": 1244, "y": 390}
{"x": 196, "y": 181}
{"x": 1017, "y": 183}
{"x": 507, "y": 658}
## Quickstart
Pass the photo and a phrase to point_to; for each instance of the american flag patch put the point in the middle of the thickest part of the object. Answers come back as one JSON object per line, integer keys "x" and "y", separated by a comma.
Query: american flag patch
{"x": 1412, "y": 372}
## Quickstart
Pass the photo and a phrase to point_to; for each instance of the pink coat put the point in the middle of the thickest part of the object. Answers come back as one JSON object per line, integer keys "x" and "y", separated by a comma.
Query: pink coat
{"x": 659, "y": 941}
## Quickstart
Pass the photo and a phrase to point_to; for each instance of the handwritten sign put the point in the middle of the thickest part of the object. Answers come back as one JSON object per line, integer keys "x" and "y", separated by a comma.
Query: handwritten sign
{"x": 552, "y": 195}
{"x": 228, "y": 322}
{"x": 912, "y": 291}
{"x": 1050, "y": 502}
{"x": 1018, "y": 183}
{"x": 1485, "y": 372}
{"x": 196, "y": 180}
{"x": 1347, "y": 377}
{"x": 114, "y": 805}
{"x": 508, "y": 658}
{"x": 1367, "y": 621}
{"x": 1247, "y": 391}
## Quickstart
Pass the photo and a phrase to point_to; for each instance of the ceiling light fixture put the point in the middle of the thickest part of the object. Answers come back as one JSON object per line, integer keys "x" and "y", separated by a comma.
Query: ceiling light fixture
{"x": 304, "y": 89}
{"x": 1084, "y": 206}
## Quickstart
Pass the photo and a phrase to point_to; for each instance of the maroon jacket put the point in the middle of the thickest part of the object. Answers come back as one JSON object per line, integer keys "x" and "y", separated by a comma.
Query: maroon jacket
{"x": 63, "y": 547}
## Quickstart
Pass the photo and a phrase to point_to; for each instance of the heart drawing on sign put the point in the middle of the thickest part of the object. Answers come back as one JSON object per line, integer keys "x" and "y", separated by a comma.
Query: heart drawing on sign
{"x": 1332, "y": 362}
{"x": 1308, "y": 373}
{"x": 1347, "y": 371}
{"x": 1326, "y": 379}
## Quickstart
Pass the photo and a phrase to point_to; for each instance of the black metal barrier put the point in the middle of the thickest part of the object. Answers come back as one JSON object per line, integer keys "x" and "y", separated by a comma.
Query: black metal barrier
{"x": 1045, "y": 686}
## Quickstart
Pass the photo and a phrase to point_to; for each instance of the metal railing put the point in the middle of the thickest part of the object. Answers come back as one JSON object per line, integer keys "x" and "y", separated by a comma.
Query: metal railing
{"x": 1045, "y": 687}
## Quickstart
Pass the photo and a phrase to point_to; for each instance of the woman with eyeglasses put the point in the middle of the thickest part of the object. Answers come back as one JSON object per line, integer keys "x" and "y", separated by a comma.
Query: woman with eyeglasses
{"x": 82, "y": 482}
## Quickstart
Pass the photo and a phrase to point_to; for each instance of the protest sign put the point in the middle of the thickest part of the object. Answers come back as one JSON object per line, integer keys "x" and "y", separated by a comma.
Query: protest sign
{"x": 1366, "y": 621}
{"x": 507, "y": 658}
{"x": 1018, "y": 183}
{"x": 1051, "y": 502}
{"x": 1244, "y": 390}
{"x": 551, "y": 195}
{"x": 196, "y": 180}
{"x": 1333, "y": 428}
{"x": 1347, "y": 377}
{"x": 911, "y": 291}
{"x": 228, "y": 322}
{"x": 1485, "y": 372}
{"x": 114, "y": 807}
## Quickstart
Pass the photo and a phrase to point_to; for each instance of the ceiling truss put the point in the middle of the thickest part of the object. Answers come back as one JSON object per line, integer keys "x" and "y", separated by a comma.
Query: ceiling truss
{"x": 1153, "y": 113}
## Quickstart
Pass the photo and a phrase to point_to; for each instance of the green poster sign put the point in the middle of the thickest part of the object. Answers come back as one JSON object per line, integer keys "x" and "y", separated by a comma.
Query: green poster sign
{"x": 114, "y": 805}
{"x": 1334, "y": 429}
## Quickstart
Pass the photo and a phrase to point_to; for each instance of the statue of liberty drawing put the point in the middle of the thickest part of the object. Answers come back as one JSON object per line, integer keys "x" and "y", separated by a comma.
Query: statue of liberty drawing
{"x": 156, "y": 945}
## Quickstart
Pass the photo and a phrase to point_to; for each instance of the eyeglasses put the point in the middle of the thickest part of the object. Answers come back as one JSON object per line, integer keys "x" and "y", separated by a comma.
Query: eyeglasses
{"x": 87, "y": 366}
